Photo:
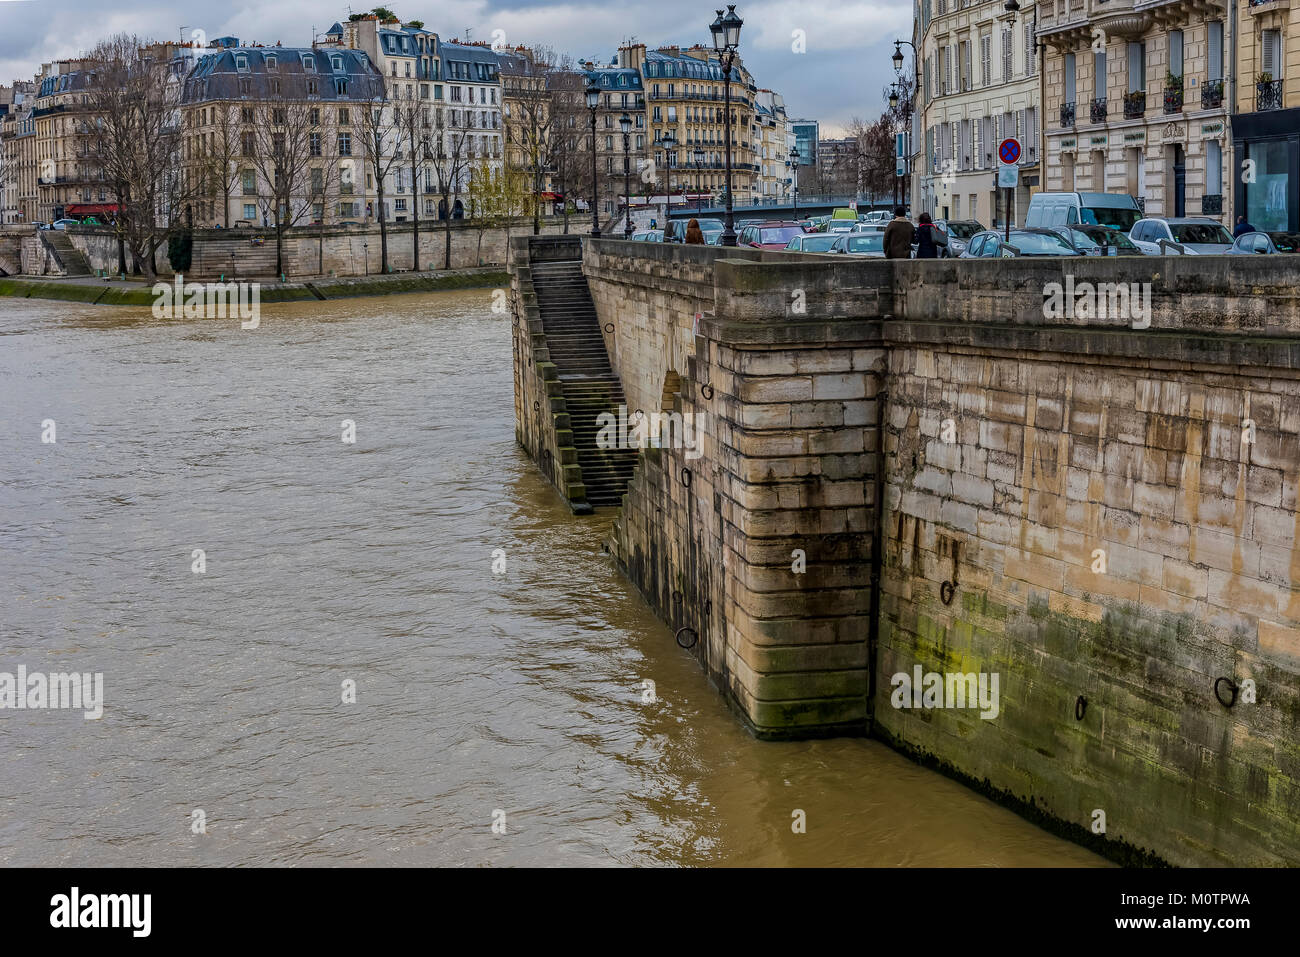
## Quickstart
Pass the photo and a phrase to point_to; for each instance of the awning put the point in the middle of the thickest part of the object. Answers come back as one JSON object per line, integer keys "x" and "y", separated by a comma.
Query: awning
{"x": 551, "y": 196}
{"x": 90, "y": 209}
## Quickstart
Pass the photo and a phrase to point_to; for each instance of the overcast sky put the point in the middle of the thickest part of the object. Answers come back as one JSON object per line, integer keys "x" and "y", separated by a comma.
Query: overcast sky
{"x": 840, "y": 76}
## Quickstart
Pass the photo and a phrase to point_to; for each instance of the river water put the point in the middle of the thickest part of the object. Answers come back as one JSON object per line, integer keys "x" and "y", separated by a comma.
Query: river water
{"x": 327, "y": 563}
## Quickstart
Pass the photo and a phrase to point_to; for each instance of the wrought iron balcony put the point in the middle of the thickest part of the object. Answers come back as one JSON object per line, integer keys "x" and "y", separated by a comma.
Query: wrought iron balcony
{"x": 1067, "y": 114}
{"x": 1212, "y": 94}
{"x": 1099, "y": 110}
{"x": 1268, "y": 95}
{"x": 1212, "y": 204}
{"x": 1135, "y": 105}
{"x": 1173, "y": 99}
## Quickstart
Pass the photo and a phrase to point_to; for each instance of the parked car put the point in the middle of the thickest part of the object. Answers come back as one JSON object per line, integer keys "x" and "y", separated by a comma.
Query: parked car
{"x": 64, "y": 223}
{"x": 958, "y": 232}
{"x": 881, "y": 216}
{"x": 675, "y": 229}
{"x": 1090, "y": 209}
{"x": 990, "y": 244}
{"x": 868, "y": 228}
{"x": 1098, "y": 241}
{"x": 812, "y": 243}
{"x": 773, "y": 235}
{"x": 1265, "y": 244}
{"x": 818, "y": 223}
{"x": 1198, "y": 235}
{"x": 39, "y": 225}
{"x": 861, "y": 244}
{"x": 842, "y": 221}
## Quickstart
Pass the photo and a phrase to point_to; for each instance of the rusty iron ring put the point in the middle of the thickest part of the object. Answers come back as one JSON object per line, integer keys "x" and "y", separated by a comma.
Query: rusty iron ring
{"x": 1232, "y": 686}
{"x": 694, "y": 637}
{"x": 947, "y": 590}
{"x": 706, "y": 390}
{"x": 686, "y": 477}
{"x": 1080, "y": 707}
{"x": 609, "y": 327}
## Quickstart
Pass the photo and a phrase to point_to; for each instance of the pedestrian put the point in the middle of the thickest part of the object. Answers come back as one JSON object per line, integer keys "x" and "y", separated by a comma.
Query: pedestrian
{"x": 1243, "y": 227}
{"x": 694, "y": 235}
{"x": 929, "y": 238}
{"x": 898, "y": 236}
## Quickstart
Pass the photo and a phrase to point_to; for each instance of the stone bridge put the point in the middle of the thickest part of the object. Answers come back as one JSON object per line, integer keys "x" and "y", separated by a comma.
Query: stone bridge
{"x": 947, "y": 468}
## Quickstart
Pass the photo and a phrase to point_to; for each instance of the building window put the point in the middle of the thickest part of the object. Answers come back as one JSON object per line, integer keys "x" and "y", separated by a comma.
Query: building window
{"x": 250, "y": 211}
{"x": 345, "y": 144}
{"x": 1137, "y": 67}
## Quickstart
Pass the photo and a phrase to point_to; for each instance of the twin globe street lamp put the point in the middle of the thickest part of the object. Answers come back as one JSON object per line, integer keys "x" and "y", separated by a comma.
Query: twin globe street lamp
{"x": 726, "y": 41}
{"x": 593, "y": 101}
{"x": 625, "y": 124}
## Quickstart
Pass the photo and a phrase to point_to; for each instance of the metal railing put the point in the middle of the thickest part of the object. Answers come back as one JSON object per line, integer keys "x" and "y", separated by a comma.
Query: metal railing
{"x": 1212, "y": 204}
{"x": 1098, "y": 112}
{"x": 1212, "y": 94}
{"x": 1268, "y": 95}
{"x": 1173, "y": 99}
{"x": 1067, "y": 114}
{"x": 1135, "y": 105}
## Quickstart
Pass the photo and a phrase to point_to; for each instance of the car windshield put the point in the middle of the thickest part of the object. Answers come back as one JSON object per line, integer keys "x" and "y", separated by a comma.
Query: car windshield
{"x": 962, "y": 230}
{"x": 1286, "y": 242}
{"x": 1040, "y": 244}
{"x": 814, "y": 244}
{"x": 1121, "y": 219}
{"x": 710, "y": 231}
{"x": 1094, "y": 237}
{"x": 710, "y": 225}
{"x": 778, "y": 234}
{"x": 870, "y": 243}
{"x": 1200, "y": 233}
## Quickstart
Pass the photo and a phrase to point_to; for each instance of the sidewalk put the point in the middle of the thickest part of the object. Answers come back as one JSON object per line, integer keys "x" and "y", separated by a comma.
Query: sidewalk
{"x": 137, "y": 292}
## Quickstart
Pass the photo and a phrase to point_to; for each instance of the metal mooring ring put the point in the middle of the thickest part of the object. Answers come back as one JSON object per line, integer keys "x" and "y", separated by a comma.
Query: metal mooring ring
{"x": 946, "y": 591}
{"x": 708, "y": 607}
{"x": 537, "y": 406}
{"x": 1232, "y": 687}
{"x": 609, "y": 327}
{"x": 686, "y": 477}
{"x": 677, "y": 596}
{"x": 638, "y": 415}
{"x": 1080, "y": 707}
{"x": 689, "y": 633}
{"x": 706, "y": 391}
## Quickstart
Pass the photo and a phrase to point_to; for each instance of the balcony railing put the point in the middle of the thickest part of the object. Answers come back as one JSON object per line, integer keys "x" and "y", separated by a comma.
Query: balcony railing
{"x": 1099, "y": 110}
{"x": 1212, "y": 94}
{"x": 1135, "y": 105}
{"x": 1067, "y": 114}
{"x": 1212, "y": 204}
{"x": 1268, "y": 95}
{"x": 1173, "y": 99}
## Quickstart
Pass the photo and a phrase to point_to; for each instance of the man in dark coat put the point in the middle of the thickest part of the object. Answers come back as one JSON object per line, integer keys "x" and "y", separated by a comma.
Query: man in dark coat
{"x": 898, "y": 236}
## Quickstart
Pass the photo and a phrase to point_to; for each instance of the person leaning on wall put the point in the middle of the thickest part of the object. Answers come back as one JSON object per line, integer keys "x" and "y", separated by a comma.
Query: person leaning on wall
{"x": 694, "y": 235}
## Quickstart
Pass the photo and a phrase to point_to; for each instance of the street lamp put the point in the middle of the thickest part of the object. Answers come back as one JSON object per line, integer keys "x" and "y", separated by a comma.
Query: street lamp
{"x": 726, "y": 41}
{"x": 793, "y": 163}
{"x": 699, "y": 167}
{"x": 593, "y": 101}
{"x": 902, "y": 190}
{"x": 668, "y": 140}
{"x": 625, "y": 124}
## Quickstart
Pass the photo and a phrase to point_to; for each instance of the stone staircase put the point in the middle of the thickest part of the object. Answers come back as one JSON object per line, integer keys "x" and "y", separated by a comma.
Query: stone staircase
{"x": 69, "y": 258}
{"x": 250, "y": 262}
{"x": 590, "y": 385}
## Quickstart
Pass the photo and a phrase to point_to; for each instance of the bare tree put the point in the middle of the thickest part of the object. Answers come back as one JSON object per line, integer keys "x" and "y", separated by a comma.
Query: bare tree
{"x": 219, "y": 166}
{"x": 381, "y": 133}
{"x": 536, "y": 121}
{"x": 285, "y": 143}
{"x": 569, "y": 117}
{"x": 450, "y": 160}
{"x": 134, "y": 137}
{"x": 414, "y": 126}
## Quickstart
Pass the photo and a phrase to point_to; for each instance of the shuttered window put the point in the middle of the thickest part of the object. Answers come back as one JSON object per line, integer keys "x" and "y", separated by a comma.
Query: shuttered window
{"x": 1137, "y": 67}
{"x": 1099, "y": 75}
{"x": 1069, "y": 79}
{"x": 1271, "y": 53}
{"x": 1216, "y": 50}
{"x": 1006, "y": 54}
{"x": 1176, "y": 52}
{"x": 986, "y": 57}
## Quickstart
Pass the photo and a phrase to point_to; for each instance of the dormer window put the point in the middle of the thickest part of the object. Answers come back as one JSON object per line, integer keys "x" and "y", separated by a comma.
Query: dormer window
{"x": 270, "y": 61}
{"x": 241, "y": 62}
{"x": 309, "y": 63}
{"x": 336, "y": 63}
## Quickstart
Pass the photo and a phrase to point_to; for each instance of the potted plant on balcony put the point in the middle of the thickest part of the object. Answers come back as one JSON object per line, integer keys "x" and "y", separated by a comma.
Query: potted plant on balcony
{"x": 1135, "y": 103}
{"x": 1173, "y": 93}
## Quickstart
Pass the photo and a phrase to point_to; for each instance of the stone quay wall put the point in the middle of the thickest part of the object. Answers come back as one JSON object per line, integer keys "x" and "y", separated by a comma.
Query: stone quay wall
{"x": 939, "y": 465}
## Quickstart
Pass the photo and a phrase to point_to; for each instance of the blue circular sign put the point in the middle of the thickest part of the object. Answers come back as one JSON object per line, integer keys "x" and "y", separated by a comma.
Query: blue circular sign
{"x": 1009, "y": 151}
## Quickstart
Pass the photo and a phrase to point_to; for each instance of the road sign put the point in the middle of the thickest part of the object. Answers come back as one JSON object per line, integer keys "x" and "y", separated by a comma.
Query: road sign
{"x": 1009, "y": 150}
{"x": 1008, "y": 177}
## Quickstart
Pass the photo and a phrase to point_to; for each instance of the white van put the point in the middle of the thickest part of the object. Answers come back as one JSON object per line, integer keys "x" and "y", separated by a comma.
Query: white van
{"x": 1082, "y": 209}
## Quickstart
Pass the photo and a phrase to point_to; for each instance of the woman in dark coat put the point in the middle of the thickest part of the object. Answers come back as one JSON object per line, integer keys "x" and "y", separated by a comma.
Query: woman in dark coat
{"x": 926, "y": 247}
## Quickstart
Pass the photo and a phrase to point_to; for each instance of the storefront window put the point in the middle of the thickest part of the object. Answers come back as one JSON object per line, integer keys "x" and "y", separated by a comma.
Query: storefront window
{"x": 1266, "y": 197}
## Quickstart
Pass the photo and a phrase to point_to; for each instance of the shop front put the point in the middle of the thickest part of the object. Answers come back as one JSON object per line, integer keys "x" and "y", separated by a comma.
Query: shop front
{"x": 1267, "y": 145}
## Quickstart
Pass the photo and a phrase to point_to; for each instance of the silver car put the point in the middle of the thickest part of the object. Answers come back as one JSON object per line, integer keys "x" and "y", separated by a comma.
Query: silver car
{"x": 1196, "y": 235}
{"x": 861, "y": 244}
{"x": 813, "y": 242}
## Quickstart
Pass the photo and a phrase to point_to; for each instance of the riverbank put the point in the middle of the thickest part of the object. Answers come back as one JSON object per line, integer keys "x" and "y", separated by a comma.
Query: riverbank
{"x": 114, "y": 292}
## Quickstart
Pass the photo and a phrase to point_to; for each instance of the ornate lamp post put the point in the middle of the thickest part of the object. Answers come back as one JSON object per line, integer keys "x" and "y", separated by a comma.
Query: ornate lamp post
{"x": 699, "y": 166}
{"x": 793, "y": 163}
{"x": 669, "y": 142}
{"x": 726, "y": 41}
{"x": 894, "y": 97}
{"x": 593, "y": 101}
{"x": 625, "y": 124}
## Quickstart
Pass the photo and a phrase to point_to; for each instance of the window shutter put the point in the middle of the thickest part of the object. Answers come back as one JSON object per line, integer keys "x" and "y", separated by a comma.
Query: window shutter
{"x": 986, "y": 42}
{"x": 1029, "y": 49}
{"x": 1069, "y": 78}
{"x": 1099, "y": 75}
{"x": 1268, "y": 60}
{"x": 1136, "y": 80}
{"x": 1216, "y": 50}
